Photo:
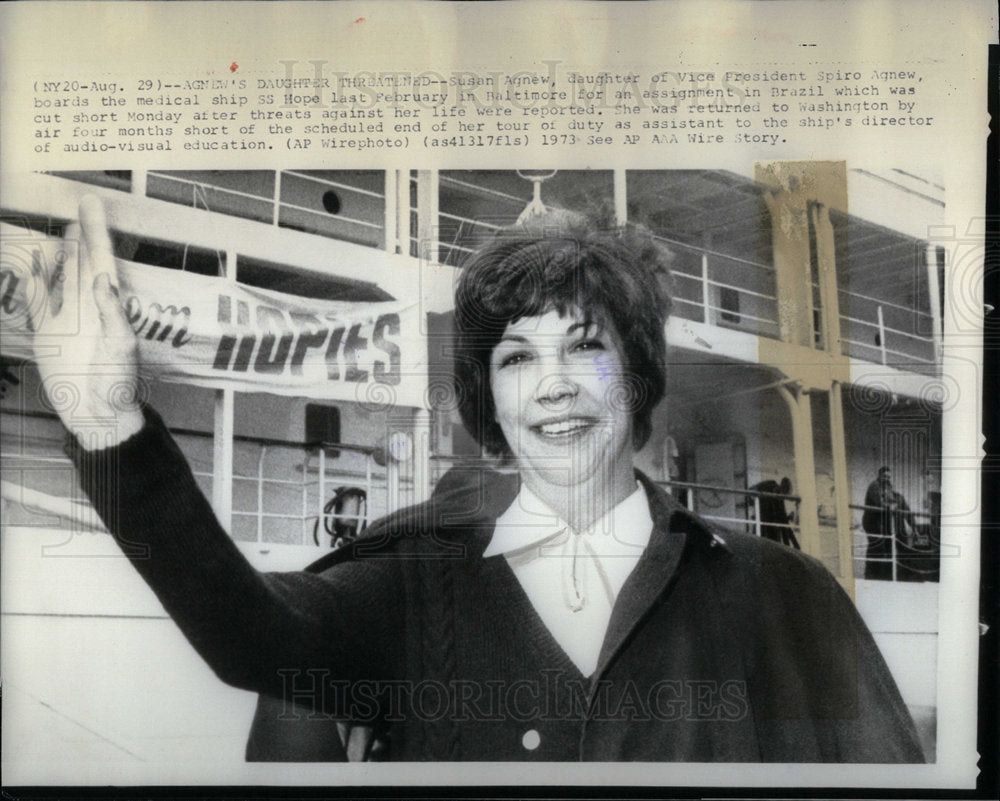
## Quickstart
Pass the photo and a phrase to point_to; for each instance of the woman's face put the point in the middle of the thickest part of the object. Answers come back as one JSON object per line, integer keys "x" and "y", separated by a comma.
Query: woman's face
{"x": 560, "y": 395}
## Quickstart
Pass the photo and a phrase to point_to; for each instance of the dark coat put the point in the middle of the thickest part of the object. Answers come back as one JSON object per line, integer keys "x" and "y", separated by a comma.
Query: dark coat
{"x": 772, "y": 510}
{"x": 721, "y": 647}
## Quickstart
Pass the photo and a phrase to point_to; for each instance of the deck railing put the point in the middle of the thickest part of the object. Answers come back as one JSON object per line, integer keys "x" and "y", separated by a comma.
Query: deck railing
{"x": 913, "y": 554}
{"x": 299, "y": 496}
{"x": 746, "y": 499}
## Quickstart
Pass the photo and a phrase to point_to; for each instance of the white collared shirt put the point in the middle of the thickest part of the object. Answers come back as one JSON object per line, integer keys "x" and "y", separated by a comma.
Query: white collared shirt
{"x": 572, "y": 579}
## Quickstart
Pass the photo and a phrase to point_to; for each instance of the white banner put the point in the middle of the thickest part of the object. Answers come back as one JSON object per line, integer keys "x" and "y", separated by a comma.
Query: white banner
{"x": 212, "y": 332}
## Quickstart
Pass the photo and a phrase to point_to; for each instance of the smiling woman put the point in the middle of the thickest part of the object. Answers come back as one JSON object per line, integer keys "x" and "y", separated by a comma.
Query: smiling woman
{"x": 540, "y": 312}
{"x": 570, "y": 612}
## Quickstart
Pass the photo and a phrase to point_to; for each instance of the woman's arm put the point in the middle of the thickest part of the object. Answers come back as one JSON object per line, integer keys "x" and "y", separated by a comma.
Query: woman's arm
{"x": 257, "y": 631}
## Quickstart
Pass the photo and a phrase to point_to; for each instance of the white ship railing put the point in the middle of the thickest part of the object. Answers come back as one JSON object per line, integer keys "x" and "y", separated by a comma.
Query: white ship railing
{"x": 309, "y": 484}
{"x": 917, "y": 552}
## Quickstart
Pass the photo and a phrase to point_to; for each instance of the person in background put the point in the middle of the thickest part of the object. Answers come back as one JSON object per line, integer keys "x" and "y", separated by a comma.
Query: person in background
{"x": 774, "y": 517}
{"x": 885, "y": 521}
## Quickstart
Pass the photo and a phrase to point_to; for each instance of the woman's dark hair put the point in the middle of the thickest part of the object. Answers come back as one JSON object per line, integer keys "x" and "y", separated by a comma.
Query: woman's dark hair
{"x": 615, "y": 274}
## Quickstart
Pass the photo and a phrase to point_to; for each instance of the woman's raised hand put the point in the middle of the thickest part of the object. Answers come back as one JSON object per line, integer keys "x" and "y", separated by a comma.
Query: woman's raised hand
{"x": 86, "y": 352}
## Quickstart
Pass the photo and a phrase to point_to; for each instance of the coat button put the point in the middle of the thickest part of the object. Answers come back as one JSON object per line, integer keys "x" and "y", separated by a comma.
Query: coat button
{"x": 531, "y": 739}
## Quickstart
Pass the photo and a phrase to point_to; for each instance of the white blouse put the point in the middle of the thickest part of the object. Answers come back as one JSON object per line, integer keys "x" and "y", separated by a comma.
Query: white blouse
{"x": 572, "y": 578}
